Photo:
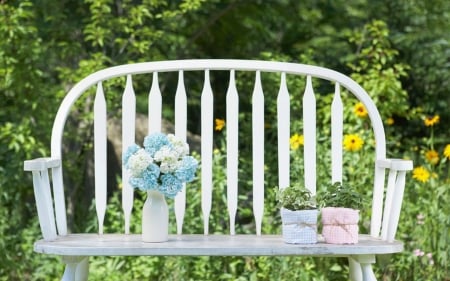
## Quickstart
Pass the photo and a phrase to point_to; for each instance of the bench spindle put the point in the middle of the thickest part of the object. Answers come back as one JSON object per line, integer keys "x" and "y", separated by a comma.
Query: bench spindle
{"x": 232, "y": 101}
{"x": 207, "y": 122}
{"x": 100, "y": 152}
{"x": 284, "y": 133}
{"x": 128, "y": 138}
{"x": 258, "y": 152}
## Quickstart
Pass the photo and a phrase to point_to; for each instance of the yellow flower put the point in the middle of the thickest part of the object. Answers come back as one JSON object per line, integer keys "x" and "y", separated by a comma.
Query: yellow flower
{"x": 432, "y": 156}
{"x": 390, "y": 121}
{"x": 353, "y": 142}
{"x": 360, "y": 110}
{"x": 430, "y": 121}
{"x": 421, "y": 174}
{"x": 447, "y": 151}
{"x": 220, "y": 123}
{"x": 296, "y": 141}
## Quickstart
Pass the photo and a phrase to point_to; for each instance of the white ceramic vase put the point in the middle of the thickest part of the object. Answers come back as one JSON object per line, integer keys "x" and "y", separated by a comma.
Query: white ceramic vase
{"x": 155, "y": 218}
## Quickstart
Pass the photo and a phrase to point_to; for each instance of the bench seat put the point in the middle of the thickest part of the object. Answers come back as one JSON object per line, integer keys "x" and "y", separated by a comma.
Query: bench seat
{"x": 207, "y": 245}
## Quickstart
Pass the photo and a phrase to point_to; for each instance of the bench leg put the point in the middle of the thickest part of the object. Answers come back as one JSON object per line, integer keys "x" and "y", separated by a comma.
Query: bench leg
{"x": 366, "y": 262}
{"x": 355, "y": 269}
{"x": 77, "y": 268}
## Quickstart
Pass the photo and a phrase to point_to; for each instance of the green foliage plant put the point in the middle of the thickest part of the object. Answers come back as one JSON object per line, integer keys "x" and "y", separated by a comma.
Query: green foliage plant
{"x": 296, "y": 197}
{"x": 338, "y": 195}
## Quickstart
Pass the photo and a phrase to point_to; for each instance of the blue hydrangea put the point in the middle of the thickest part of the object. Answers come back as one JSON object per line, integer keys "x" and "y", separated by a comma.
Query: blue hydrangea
{"x": 130, "y": 151}
{"x": 170, "y": 185}
{"x": 186, "y": 171}
{"x": 154, "y": 142}
{"x": 162, "y": 164}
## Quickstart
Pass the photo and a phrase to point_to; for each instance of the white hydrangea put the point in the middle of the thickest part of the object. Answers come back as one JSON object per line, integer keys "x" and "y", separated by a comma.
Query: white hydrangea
{"x": 138, "y": 162}
{"x": 181, "y": 147}
{"x": 168, "y": 159}
{"x": 169, "y": 167}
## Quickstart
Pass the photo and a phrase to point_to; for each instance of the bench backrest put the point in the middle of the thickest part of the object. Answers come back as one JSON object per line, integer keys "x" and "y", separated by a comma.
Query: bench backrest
{"x": 258, "y": 68}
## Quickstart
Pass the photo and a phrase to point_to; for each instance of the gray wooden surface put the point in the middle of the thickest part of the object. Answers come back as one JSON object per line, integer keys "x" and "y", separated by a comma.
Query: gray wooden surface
{"x": 206, "y": 245}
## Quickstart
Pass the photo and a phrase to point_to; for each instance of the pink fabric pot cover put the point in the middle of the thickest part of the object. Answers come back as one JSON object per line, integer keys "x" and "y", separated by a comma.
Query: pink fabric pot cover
{"x": 340, "y": 225}
{"x": 299, "y": 227}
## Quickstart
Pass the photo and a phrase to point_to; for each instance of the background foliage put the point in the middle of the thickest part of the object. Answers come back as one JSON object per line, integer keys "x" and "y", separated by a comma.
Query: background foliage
{"x": 398, "y": 50}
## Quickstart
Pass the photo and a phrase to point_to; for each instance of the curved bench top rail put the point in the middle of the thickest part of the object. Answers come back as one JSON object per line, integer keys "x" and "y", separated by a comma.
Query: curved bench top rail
{"x": 217, "y": 64}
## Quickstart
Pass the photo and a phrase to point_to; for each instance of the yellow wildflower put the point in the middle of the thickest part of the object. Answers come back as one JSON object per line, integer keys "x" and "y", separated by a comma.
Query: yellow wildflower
{"x": 421, "y": 174}
{"x": 296, "y": 141}
{"x": 353, "y": 142}
{"x": 432, "y": 156}
{"x": 447, "y": 151}
{"x": 390, "y": 121}
{"x": 360, "y": 110}
{"x": 220, "y": 123}
{"x": 430, "y": 121}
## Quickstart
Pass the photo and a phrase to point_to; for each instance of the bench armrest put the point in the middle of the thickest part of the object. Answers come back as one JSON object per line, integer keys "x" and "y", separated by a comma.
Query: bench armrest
{"x": 395, "y": 164}
{"x": 41, "y": 164}
{"x": 42, "y": 193}
{"x": 394, "y": 194}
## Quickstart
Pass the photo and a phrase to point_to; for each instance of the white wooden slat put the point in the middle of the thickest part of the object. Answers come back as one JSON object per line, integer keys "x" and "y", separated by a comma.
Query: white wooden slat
{"x": 377, "y": 201}
{"x": 309, "y": 133}
{"x": 337, "y": 123}
{"x": 154, "y": 106}
{"x": 180, "y": 131}
{"x": 59, "y": 200}
{"x": 283, "y": 121}
{"x": 258, "y": 152}
{"x": 128, "y": 138}
{"x": 44, "y": 204}
{"x": 394, "y": 215}
{"x": 100, "y": 158}
{"x": 388, "y": 203}
{"x": 207, "y": 109}
{"x": 232, "y": 105}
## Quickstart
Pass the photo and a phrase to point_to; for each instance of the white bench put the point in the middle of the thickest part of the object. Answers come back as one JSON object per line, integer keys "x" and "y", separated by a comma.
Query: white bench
{"x": 76, "y": 248}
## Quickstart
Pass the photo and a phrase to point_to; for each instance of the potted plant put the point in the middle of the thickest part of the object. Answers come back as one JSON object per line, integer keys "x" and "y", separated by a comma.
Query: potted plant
{"x": 340, "y": 214}
{"x": 298, "y": 215}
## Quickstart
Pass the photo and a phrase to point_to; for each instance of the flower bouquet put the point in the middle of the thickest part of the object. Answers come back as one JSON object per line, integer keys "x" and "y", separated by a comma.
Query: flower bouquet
{"x": 163, "y": 164}
{"x": 160, "y": 168}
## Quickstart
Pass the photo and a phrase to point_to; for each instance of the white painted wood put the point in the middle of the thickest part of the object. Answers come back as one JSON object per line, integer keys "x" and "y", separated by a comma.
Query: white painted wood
{"x": 366, "y": 262}
{"x": 208, "y": 245}
{"x": 258, "y": 152}
{"x": 91, "y": 244}
{"x": 283, "y": 121}
{"x": 128, "y": 138}
{"x": 377, "y": 201}
{"x": 337, "y": 123}
{"x": 247, "y": 65}
{"x": 40, "y": 164}
{"x": 232, "y": 128}
{"x": 180, "y": 131}
{"x": 396, "y": 206}
{"x": 44, "y": 205}
{"x": 76, "y": 268}
{"x": 59, "y": 200}
{"x": 154, "y": 106}
{"x": 309, "y": 133}
{"x": 388, "y": 203}
{"x": 100, "y": 152}
{"x": 354, "y": 268}
{"x": 207, "y": 111}
{"x": 82, "y": 271}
